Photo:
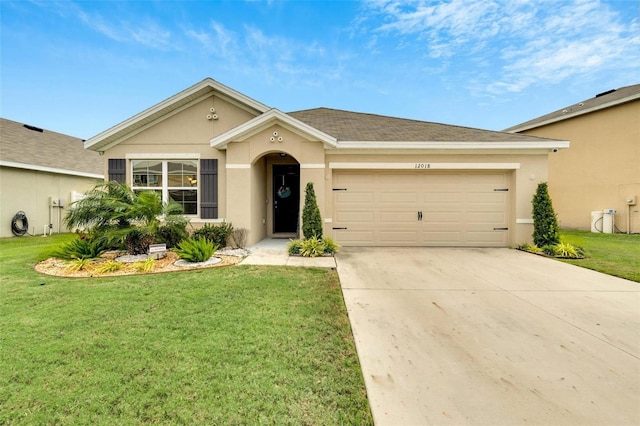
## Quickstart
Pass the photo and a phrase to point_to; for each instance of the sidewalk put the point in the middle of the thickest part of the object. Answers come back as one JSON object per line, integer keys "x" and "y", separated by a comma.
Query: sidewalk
{"x": 272, "y": 251}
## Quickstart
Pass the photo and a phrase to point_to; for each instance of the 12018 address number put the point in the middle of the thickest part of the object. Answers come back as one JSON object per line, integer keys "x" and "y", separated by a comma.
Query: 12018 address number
{"x": 422, "y": 166}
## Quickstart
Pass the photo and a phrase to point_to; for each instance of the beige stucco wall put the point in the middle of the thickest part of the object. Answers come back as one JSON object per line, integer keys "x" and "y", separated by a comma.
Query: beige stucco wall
{"x": 601, "y": 168}
{"x": 186, "y": 131}
{"x": 30, "y": 191}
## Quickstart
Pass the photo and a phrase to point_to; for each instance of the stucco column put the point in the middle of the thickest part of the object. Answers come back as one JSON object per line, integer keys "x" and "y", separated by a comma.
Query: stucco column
{"x": 239, "y": 197}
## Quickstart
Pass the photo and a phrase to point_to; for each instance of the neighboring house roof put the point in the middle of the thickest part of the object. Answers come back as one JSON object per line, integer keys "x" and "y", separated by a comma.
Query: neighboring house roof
{"x": 354, "y": 129}
{"x": 174, "y": 104}
{"x": 29, "y": 147}
{"x": 600, "y": 101}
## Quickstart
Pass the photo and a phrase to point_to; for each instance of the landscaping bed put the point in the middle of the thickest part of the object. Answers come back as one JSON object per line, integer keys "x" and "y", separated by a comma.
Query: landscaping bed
{"x": 96, "y": 267}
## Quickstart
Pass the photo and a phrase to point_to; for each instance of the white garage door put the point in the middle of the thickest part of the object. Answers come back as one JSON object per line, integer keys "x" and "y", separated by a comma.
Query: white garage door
{"x": 424, "y": 208}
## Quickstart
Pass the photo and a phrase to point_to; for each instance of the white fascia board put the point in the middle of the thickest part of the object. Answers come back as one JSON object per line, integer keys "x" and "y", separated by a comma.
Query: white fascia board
{"x": 421, "y": 166}
{"x": 162, "y": 156}
{"x": 573, "y": 114}
{"x": 50, "y": 169}
{"x": 207, "y": 82}
{"x": 546, "y": 145}
{"x": 262, "y": 121}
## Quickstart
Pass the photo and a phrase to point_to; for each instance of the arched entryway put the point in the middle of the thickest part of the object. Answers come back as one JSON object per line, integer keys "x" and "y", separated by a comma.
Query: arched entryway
{"x": 280, "y": 176}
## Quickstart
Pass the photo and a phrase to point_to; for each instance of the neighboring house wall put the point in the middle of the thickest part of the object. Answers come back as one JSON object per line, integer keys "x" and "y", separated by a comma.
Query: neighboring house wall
{"x": 37, "y": 165}
{"x": 30, "y": 191}
{"x": 601, "y": 168}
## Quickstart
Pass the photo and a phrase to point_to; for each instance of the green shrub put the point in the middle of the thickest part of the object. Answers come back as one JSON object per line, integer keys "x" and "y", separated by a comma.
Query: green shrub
{"x": 137, "y": 241}
{"x": 311, "y": 219}
{"x": 294, "y": 247}
{"x": 568, "y": 250}
{"x": 545, "y": 222}
{"x": 78, "y": 264}
{"x": 81, "y": 248}
{"x": 196, "y": 250}
{"x": 217, "y": 234}
{"x": 312, "y": 247}
{"x": 145, "y": 265}
{"x": 330, "y": 246}
{"x": 171, "y": 234}
{"x": 549, "y": 249}
{"x": 530, "y": 248}
{"x": 109, "y": 266}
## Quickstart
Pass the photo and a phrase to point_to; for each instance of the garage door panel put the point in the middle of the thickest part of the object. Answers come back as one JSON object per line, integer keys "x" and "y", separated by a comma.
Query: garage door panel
{"x": 391, "y": 217}
{"x": 437, "y": 218}
{"x": 449, "y": 208}
{"x": 495, "y": 238}
{"x": 355, "y": 217}
{"x": 426, "y": 208}
{"x": 487, "y": 219}
{"x": 352, "y": 179}
{"x": 397, "y": 180}
{"x": 355, "y": 237}
{"x": 398, "y": 197}
{"x": 398, "y": 237}
{"x": 355, "y": 197}
{"x": 441, "y": 197}
{"x": 485, "y": 197}
{"x": 440, "y": 238}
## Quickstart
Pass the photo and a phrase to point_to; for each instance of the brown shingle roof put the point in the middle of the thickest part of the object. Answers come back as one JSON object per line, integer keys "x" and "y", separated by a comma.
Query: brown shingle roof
{"x": 20, "y": 144}
{"x": 603, "y": 100}
{"x": 355, "y": 126}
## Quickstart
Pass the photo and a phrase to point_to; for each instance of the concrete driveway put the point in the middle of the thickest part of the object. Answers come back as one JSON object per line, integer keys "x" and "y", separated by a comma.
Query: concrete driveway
{"x": 492, "y": 336}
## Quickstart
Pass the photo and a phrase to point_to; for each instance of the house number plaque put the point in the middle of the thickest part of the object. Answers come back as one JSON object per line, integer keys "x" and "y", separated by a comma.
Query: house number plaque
{"x": 422, "y": 166}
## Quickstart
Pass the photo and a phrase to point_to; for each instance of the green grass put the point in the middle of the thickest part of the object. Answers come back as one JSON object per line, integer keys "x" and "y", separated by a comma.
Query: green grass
{"x": 613, "y": 254}
{"x": 232, "y": 345}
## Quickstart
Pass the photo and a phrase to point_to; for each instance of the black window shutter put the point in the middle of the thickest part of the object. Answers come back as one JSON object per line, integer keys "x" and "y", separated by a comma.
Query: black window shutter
{"x": 118, "y": 170}
{"x": 208, "y": 189}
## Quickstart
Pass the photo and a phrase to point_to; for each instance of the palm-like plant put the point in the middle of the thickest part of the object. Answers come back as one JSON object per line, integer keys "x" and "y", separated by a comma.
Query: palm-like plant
{"x": 121, "y": 215}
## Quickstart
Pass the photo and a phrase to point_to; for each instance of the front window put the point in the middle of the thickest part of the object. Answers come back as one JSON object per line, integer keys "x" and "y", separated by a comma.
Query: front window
{"x": 174, "y": 179}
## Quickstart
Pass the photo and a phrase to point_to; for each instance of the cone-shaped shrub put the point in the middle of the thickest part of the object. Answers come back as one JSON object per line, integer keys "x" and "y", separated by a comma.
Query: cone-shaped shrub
{"x": 311, "y": 219}
{"x": 545, "y": 222}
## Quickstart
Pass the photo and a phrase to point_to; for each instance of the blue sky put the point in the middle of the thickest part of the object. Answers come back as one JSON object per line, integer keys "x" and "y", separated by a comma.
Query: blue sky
{"x": 81, "y": 67}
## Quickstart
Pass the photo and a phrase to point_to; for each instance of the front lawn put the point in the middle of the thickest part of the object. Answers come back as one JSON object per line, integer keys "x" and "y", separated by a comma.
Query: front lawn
{"x": 231, "y": 345}
{"x": 613, "y": 254}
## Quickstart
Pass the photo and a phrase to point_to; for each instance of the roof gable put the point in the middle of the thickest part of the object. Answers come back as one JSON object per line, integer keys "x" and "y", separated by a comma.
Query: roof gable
{"x": 603, "y": 100}
{"x": 158, "y": 112}
{"x": 269, "y": 118}
{"x": 30, "y": 147}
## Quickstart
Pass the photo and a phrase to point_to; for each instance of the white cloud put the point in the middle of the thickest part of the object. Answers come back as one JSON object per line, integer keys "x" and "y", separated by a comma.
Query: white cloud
{"x": 527, "y": 43}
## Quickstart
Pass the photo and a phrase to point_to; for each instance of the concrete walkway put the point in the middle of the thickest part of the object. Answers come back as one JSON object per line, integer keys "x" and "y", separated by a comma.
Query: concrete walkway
{"x": 272, "y": 251}
{"x": 492, "y": 337}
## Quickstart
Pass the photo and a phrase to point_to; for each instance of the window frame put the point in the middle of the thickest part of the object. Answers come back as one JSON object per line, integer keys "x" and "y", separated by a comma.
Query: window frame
{"x": 164, "y": 188}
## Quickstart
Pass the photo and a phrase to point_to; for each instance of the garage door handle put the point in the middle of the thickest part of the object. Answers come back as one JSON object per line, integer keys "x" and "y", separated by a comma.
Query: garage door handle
{"x": 339, "y": 228}
{"x": 500, "y": 229}
{"x": 419, "y": 216}
{"x": 339, "y": 189}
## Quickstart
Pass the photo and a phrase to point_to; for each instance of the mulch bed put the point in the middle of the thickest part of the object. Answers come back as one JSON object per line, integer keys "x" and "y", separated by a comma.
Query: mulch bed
{"x": 61, "y": 268}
